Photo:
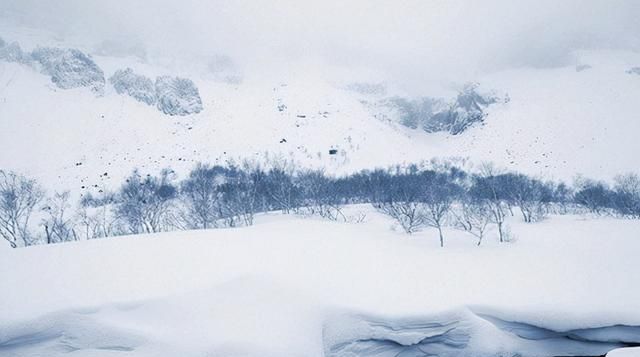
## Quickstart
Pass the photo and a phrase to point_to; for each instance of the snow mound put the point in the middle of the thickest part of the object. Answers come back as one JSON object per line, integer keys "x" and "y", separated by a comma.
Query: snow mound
{"x": 134, "y": 85}
{"x": 460, "y": 333}
{"x": 69, "y": 68}
{"x": 366, "y": 336}
{"x": 304, "y": 287}
{"x": 68, "y": 332}
{"x": 177, "y": 96}
{"x": 625, "y": 352}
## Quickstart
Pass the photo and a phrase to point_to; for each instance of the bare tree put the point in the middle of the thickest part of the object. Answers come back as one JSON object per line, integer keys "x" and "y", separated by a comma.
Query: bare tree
{"x": 627, "y": 195}
{"x": 18, "y": 198}
{"x": 488, "y": 188}
{"x": 145, "y": 204}
{"x": 320, "y": 197}
{"x": 473, "y": 218}
{"x": 202, "y": 197}
{"x": 58, "y": 226}
{"x": 402, "y": 201}
{"x": 438, "y": 196}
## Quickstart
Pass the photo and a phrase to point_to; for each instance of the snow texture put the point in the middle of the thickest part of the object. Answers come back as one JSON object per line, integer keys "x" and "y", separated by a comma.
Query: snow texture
{"x": 452, "y": 335}
{"x": 137, "y": 86}
{"x": 69, "y": 68}
{"x": 177, "y": 96}
{"x": 303, "y": 287}
{"x": 625, "y": 352}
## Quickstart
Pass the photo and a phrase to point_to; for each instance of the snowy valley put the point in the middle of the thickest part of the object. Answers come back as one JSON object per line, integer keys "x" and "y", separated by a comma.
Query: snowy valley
{"x": 214, "y": 178}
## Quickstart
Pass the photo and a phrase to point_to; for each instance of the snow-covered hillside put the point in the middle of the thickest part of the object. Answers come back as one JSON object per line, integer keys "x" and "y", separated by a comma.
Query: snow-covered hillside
{"x": 558, "y": 122}
{"x": 304, "y": 287}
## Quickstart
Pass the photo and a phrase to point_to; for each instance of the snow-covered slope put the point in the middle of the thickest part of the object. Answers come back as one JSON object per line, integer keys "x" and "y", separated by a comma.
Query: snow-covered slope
{"x": 302, "y": 287}
{"x": 559, "y": 122}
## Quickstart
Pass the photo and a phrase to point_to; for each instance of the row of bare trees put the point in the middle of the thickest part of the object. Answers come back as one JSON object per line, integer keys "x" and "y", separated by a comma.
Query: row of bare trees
{"x": 230, "y": 196}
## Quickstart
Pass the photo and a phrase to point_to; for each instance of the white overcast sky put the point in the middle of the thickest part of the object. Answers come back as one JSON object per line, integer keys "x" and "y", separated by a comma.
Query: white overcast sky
{"x": 401, "y": 36}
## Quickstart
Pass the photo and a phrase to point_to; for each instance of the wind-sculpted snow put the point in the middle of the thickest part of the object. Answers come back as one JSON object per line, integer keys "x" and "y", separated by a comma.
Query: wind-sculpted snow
{"x": 365, "y": 336}
{"x": 177, "y": 96}
{"x": 66, "y": 332}
{"x": 459, "y": 334}
{"x": 69, "y": 68}
{"x": 137, "y": 86}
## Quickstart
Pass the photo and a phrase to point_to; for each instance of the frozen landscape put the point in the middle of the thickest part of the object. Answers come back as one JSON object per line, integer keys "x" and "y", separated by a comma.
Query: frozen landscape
{"x": 220, "y": 178}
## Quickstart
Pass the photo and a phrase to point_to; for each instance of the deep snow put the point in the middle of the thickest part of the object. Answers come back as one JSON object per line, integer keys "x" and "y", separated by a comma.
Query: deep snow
{"x": 304, "y": 287}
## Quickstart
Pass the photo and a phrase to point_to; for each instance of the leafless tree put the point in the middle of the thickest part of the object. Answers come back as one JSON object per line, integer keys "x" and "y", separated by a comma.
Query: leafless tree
{"x": 201, "y": 197}
{"x": 473, "y": 218}
{"x": 58, "y": 225}
{"x": 145, "y": 204}
{"x": 18, "y": 198}
{"x": 319, "y": 196}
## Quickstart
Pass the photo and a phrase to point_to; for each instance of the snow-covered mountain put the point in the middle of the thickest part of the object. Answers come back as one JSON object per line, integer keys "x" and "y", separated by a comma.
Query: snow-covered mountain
{"x": 88, "y": 134}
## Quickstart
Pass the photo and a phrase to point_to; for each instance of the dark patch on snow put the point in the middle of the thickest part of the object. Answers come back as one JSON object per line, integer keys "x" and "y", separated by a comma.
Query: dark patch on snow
{"x": 634, "y": 70}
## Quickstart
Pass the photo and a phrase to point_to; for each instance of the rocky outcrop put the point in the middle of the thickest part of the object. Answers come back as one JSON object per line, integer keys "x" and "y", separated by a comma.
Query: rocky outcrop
{"x": 69, "y": 68}
{"x": 11, "y": 52}
{"x": 139, "y": 87}
{"x": 468, "y": 109}
{"x": 437, "y": 115}
{"x": 170, "y": 95}
{"x": 177, "y": 96}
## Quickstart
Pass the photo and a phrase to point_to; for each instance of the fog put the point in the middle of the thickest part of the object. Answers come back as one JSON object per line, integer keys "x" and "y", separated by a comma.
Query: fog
{"x": 409, "y": 40}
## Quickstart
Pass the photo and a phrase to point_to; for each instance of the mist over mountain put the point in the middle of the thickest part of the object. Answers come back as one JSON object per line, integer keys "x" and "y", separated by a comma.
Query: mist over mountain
{"x": 410, "y": 42}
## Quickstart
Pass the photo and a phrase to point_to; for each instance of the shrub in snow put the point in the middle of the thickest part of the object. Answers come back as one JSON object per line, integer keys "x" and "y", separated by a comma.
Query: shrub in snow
{"x": 69, "y": 68}
{"x": 137, "y": 86}
{"x": 11, "y": 52}
{"x": 177, "y": 96}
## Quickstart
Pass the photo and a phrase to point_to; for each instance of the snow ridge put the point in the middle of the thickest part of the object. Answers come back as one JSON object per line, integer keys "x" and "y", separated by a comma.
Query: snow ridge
{"x": 458, "y": 333}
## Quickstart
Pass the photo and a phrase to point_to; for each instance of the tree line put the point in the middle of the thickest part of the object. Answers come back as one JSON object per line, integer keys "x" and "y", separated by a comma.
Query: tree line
{"x": 214, "y": 196}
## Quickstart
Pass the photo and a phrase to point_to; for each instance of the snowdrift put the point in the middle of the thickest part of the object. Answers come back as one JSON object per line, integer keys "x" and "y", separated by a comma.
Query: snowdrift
{"x": 303, "y": 287}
